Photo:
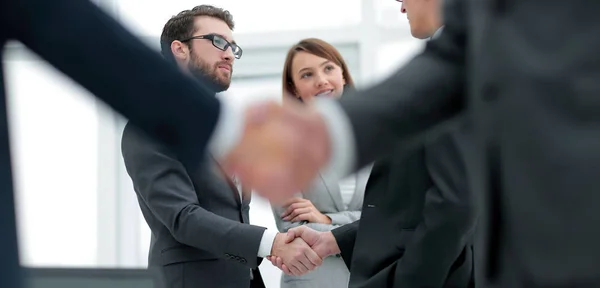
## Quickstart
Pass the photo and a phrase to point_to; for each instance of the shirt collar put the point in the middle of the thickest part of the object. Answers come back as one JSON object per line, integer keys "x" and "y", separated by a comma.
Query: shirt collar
{"x": 437, "y": 33}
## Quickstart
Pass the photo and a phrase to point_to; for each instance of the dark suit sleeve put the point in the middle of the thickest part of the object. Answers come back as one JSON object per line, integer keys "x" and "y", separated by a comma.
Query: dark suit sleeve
{"x": 419, "y": 97}
{"x": 165, "y": 187}
{"x": 90, "y": 47}
{"x": 345, "y": 236}
{"x": 448, "y": 217}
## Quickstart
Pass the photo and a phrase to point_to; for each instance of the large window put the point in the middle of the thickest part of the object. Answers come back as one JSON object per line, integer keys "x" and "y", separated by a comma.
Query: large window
{"x": 53, "y": 125}
{"x": 149, "y": 17}
{"x": 393, "y": 55}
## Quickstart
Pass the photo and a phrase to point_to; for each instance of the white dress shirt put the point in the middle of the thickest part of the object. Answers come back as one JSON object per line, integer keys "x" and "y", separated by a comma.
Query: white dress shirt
{"x": 229, "y": 128}
{"x": 266, "y": 242}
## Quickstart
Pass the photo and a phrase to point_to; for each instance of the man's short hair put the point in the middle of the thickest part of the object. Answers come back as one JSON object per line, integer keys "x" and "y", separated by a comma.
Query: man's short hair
{"x": 181, "y": 26}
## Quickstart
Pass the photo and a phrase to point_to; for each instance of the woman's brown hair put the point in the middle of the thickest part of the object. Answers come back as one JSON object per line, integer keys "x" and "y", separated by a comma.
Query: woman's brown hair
{"x": 316, "y": 47}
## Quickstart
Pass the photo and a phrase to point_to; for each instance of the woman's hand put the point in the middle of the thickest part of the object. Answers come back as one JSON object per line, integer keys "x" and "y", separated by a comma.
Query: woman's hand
{"x": 299, "y": 209}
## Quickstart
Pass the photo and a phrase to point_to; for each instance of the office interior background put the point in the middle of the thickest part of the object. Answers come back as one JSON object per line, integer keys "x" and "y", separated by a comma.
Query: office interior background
{"x": 75, "y": 202}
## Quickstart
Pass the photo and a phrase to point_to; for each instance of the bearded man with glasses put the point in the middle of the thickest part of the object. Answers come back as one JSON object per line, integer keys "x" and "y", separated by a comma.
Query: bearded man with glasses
{"x": 201, "y": 236}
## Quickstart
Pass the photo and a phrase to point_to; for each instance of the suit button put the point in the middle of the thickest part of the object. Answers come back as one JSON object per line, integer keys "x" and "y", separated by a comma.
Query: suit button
{"x": 243, "y": 260}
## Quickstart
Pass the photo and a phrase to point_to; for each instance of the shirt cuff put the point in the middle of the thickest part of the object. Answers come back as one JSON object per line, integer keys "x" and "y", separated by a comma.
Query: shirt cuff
{"x": 266, "y": 243}
{"x": 229, "y": 128}
{"x": 343, "y": 150}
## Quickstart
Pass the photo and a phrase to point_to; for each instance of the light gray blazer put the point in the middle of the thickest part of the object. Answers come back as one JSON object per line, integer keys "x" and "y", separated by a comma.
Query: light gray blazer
{"x": 328, "y": 200}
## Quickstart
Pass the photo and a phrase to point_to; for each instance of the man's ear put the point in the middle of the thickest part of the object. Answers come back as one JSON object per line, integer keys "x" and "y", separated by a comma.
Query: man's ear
{"x": 179, "y": 50}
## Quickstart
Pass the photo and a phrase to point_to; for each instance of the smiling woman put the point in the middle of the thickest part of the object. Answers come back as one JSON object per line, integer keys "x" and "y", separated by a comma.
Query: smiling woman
{"x": 314, "y": 68}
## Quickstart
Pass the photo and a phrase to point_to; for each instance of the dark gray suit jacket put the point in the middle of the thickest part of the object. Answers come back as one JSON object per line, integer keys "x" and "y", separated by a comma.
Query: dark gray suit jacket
{"x": 201, "y": 234}
{"x": 526, "y": 73}
{"x": 119, "y": 69}
{"x": 417, "y": 223}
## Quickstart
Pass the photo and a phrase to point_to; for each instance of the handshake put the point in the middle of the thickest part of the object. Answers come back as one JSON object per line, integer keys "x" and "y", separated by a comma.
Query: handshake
{"x": 281, "y": 149}
{"x": 301, "y": 250}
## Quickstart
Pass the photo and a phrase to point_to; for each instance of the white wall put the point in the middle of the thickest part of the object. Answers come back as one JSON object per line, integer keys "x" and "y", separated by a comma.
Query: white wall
{"x": 76, "y": 206}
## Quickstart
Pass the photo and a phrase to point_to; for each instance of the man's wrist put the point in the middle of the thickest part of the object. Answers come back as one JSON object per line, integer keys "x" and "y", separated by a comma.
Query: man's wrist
{"x": 276, "y": 242}
{"x": 331, "y": 244}
{"x": 266, "y": 243}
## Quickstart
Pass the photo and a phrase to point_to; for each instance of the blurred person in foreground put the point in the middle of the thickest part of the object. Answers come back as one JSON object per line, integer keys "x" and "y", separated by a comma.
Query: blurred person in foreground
{"x": 524, "y": 74}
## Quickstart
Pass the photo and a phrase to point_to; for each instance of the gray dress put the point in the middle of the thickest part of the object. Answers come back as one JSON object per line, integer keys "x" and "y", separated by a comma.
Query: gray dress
{"x": 328, "y": 200}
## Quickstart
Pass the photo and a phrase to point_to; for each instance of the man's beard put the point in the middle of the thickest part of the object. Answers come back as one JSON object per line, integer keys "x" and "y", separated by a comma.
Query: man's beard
{"x": 203, "y": 71}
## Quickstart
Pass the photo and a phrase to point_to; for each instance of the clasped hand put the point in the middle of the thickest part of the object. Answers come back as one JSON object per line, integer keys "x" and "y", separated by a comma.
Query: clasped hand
{"x": 281, "y": 149}
{"x": 298, "y": 257}
{"x": 299, "y": 209}
{"x": 322, "y": 244}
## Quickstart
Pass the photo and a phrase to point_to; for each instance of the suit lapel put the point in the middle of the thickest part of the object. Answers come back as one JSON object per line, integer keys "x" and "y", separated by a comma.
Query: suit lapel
{"x": 335, "y": 194}
{"x": 246, "y": 195}
{"x": 244, "y": 203}
{"x": 437, "y": 33}
{"x": 230, "y": 183}
{"x": 362, "y": 177}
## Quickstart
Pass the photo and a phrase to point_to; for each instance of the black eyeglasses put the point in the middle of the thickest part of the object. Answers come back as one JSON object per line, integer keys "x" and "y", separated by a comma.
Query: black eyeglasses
{"x": 220, "y": 43}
